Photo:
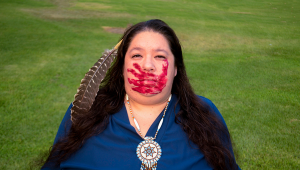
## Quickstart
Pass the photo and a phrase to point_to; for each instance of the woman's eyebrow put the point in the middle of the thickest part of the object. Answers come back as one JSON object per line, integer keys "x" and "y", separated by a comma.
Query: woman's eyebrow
{"x": 162, "y": 50}
{"x": 136, "y": 48}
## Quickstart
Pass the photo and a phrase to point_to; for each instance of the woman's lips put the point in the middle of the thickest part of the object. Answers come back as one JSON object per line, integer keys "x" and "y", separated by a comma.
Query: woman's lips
{"x": 148, "y": 80}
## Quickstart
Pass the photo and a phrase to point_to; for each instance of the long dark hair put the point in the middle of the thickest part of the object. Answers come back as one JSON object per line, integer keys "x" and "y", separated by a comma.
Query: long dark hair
{"x": 198, "y": 121}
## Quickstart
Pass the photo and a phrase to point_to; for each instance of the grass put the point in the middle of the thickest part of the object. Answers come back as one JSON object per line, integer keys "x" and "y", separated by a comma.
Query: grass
{"x": 243, "y": 55}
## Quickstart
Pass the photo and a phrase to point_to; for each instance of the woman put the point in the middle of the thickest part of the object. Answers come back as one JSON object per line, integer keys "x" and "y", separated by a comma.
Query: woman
{"x": 145, "y": 115}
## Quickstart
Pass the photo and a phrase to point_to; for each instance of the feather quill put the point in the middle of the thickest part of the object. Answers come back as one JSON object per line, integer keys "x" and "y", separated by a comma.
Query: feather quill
{"x": 89, "y": 85}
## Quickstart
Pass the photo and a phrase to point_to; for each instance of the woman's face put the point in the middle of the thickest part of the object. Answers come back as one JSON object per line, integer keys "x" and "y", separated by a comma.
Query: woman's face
{"x": 149, "y": 68}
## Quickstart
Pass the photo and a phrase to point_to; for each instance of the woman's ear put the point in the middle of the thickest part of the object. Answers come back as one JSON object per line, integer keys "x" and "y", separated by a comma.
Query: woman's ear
{"x": 175, "y": 71}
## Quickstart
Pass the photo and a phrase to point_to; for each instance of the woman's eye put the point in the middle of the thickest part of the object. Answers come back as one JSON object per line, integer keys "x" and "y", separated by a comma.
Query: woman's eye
{"x": 160, "y": 56}
{"x": 135, "y": 56}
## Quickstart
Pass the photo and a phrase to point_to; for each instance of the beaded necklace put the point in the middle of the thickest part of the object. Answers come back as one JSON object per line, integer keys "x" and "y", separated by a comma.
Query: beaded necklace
{"x": 148, "y": 151}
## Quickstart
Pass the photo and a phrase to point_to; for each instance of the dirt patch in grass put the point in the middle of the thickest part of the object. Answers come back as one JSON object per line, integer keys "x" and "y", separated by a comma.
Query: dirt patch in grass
{"x": 61, "y": 14}
{"x": 294, "y": 120}
{"x": 54, "y": 14}
{"x": 75, "y": 10}
{"x": 90, "y": 6}
{"x": 242, "y": 12}
{"x": 116, "y": 30}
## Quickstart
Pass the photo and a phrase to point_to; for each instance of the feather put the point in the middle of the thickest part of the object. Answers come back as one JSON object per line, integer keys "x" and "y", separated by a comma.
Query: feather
{"x": 89, "y": 85}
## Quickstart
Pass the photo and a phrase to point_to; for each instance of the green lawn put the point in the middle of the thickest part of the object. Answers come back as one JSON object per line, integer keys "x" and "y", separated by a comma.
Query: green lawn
{"x": 243, "y": 55}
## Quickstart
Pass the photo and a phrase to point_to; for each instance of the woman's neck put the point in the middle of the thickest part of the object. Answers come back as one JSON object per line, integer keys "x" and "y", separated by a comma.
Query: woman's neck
{"x": 145, "y": 115}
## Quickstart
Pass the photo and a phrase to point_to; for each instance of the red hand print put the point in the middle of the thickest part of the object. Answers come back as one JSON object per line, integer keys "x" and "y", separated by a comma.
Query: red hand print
{"x": 148, "y": 83}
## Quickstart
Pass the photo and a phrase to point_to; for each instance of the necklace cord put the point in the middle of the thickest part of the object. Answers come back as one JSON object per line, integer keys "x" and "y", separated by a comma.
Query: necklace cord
{"x": 136, "y": 123}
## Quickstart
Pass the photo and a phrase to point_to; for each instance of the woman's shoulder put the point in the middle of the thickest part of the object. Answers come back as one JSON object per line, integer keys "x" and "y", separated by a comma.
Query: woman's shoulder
{"x": 206, "y": 100}
{"x": 65, "y": 124}
{"x": 212, "y": 107}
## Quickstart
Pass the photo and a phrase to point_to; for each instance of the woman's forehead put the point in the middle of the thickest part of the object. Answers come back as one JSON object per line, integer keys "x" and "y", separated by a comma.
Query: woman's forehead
{"x": 149, "y": 39}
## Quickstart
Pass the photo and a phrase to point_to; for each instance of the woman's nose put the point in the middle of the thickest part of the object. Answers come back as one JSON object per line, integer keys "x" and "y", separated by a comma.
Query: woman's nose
{"x": 148, "y": 65}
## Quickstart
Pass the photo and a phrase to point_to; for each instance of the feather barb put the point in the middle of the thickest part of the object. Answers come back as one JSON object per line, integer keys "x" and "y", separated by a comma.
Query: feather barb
{"x": 89, "y": 85}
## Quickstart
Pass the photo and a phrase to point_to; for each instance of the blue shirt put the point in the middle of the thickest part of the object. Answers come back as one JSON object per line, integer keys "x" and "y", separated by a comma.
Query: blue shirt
{"x": 115, "y": 147}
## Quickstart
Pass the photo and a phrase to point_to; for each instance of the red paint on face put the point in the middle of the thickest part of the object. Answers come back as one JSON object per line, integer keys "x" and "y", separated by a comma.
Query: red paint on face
{"x": 148, "y": 83}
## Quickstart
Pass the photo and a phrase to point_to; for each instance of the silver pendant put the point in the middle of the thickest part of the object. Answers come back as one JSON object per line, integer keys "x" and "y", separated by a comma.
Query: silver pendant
{"x": 149, "y": 152}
